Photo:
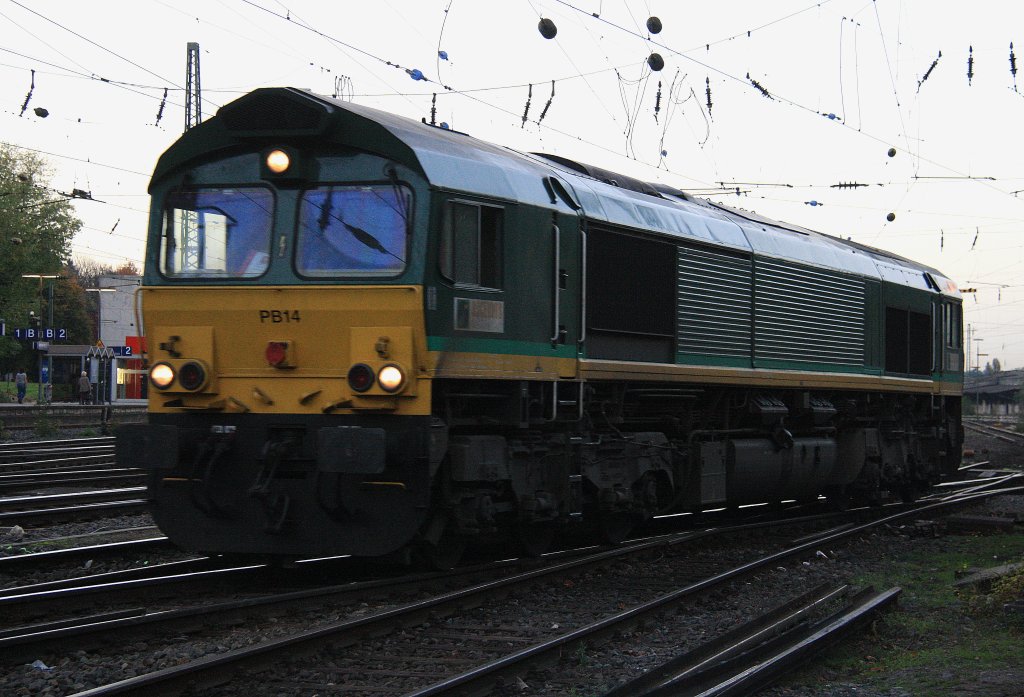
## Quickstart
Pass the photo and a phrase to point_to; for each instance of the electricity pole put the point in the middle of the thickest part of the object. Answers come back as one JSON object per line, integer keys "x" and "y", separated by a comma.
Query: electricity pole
{"x": 193, "y": 117}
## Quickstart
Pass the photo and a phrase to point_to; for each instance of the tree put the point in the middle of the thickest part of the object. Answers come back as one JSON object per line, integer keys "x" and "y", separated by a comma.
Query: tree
{"x": 37, "y": 225}
{"x": 72, "y": 309}
{"x": 127, "y": 269}
{"x": 89, "y": 271}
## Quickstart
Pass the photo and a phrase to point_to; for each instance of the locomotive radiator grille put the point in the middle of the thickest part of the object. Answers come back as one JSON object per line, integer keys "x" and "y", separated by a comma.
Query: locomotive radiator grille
{"x": 807, "y": 314}
{"x": 714, "y": 303}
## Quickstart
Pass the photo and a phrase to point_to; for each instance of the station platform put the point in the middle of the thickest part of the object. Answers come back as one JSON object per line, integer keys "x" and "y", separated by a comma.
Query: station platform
{"x": 70, "y": 415}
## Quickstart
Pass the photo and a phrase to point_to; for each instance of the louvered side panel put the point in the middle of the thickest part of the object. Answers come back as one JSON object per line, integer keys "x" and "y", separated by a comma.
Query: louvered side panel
{"x": 714, "y": 303}
{"x": 807, "y": 314}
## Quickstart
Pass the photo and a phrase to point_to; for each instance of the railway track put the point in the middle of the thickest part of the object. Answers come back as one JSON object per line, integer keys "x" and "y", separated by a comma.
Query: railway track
{"x": 76, "y": 477}
{"x": 44, "y": 482}
{"x": 50, "y": 508}
{"x": 750, "y": 657}
{"x": 1004, "y": 434}
{"x": 419, "y": 633}
{"x": 14, "y": 456}
{"x": 20, "y": 564}
{"x": 51, "y": 614}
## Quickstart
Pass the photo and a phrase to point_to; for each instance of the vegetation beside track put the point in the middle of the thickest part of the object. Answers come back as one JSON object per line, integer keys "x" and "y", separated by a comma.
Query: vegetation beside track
{"x": 941, "y": 641}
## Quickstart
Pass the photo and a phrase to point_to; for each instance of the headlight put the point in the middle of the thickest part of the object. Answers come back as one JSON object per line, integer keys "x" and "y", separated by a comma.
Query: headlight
{"x": 161, "y": 375}
{"x": 191, "y": 376}
{"x": 278, "y": 161}
{"x": 390, "y": 378}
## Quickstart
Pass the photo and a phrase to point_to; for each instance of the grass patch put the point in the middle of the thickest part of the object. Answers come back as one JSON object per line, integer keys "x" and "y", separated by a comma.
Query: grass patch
{"x": 939, "y": 638}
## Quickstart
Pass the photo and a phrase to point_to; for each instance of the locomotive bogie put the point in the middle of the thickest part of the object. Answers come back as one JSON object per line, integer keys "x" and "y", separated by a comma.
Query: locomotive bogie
{"x": 254, "y": 484}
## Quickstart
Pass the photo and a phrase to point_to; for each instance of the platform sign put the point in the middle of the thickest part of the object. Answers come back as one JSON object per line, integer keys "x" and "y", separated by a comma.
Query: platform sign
{"x": 40, "y": 334}
{"x": 122, "y": 351}
{"x": 137, "y": 344}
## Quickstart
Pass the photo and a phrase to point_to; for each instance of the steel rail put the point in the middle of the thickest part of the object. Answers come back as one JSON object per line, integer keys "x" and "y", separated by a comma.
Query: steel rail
{"x": 755, "y": 662}
{"x": 21, "y": 643}
{"x": 974, "y": 465}
{"x": 199, "y": 576}
{"x": 59, "y": 513}
{"x": 64, "y": 472}
{"x": 83, "y": 586}
{"x": 480, "y": 679}
{"x": 59, "y": 463}
{"x": 67, "y": 478}
{"x": 1003, "y": 434}
{"x": 13, "y": 456}
{"x": 14, "y": 503}
{"x": 77, "y": 584}
{"x": 59, "y": 443}
{"x": 769, "y": 669}
{"x": 17, "y": 562}
{"x": 215, "y": 669}
{"x": 702, "y": 659}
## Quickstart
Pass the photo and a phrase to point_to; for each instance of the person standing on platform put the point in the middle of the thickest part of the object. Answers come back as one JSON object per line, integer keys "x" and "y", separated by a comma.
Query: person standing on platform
{"x": 21, "y": 382}
{"x": 84, "y": 387}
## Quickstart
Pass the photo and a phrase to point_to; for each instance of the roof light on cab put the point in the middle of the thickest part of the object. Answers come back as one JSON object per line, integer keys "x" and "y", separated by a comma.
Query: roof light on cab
{"x": 278, "y": 161}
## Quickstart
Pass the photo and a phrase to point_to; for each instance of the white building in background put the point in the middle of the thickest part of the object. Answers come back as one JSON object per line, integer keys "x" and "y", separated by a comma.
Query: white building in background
{"x": 116, "y": 319}
{"x": 115, "y": 367}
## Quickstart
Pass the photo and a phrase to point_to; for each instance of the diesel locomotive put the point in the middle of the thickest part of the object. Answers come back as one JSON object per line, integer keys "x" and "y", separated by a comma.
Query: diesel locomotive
{"x": 374, "y": 336}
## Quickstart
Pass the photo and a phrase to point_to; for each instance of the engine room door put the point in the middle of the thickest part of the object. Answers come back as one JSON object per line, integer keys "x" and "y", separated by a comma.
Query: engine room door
{"x": 566, "y": 278}
{"x": 566, "y": 291}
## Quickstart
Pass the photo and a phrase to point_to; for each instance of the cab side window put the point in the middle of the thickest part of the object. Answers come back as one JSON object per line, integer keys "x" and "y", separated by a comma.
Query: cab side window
{"x": 951, "y": 325}
{"x": 471, "y": 244}
{"x": 908, "y": 342}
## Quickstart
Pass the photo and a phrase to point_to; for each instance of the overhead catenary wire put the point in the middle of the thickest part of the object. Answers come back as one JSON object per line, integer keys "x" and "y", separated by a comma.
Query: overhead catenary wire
{"x": 775, "y": 96}
{"x": 892, "y": 78}
{"x": 516, "y": 116}
{"x": 97, "y": 45}
{"x": 461, "y": 92}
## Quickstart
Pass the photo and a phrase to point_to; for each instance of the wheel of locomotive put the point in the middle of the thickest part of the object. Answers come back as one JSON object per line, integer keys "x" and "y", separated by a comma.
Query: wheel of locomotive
{"x": 613, "y": 528}
{"x": 837, "y": 497}
{"x": 910, "y": 491}
{"x": 534, "y": 539}
{"x": 441, "y": 546}
{"x": 443, "y": 554}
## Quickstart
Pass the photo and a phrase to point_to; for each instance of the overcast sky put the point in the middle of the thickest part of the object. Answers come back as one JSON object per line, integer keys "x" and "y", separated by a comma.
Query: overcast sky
{"x": 839, "y": 84}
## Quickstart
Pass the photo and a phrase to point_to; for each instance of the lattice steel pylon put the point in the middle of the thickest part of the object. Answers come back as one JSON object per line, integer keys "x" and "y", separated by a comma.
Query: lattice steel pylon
{"x": 191, "y": 248}
{"x": 193, "y": 96}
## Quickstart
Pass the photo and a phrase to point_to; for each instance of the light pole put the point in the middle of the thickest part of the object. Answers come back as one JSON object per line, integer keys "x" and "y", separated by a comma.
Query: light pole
{"x": 100, "y": 376}
{"x": 977, "y": 396}
{"x": 49, "y": 358}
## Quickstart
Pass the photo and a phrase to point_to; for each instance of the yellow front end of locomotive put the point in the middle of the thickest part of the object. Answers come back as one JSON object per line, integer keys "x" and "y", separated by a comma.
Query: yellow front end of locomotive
{"x": 287, "y": 349}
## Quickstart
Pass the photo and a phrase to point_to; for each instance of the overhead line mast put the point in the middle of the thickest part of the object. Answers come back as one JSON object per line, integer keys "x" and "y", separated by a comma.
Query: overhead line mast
{"x": 193, "y": 96}
{"x": 193, "y": 117}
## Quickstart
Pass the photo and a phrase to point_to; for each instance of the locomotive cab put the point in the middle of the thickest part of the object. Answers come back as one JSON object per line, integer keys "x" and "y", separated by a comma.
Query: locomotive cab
{"x": 283, "y": 307}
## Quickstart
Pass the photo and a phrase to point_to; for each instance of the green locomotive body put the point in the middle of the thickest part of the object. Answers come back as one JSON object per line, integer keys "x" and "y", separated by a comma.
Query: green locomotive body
{"x": 369, "y": 334}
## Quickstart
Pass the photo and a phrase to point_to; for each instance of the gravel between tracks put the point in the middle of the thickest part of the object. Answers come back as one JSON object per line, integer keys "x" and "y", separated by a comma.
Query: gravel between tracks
{"x": 585, "y": 673}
